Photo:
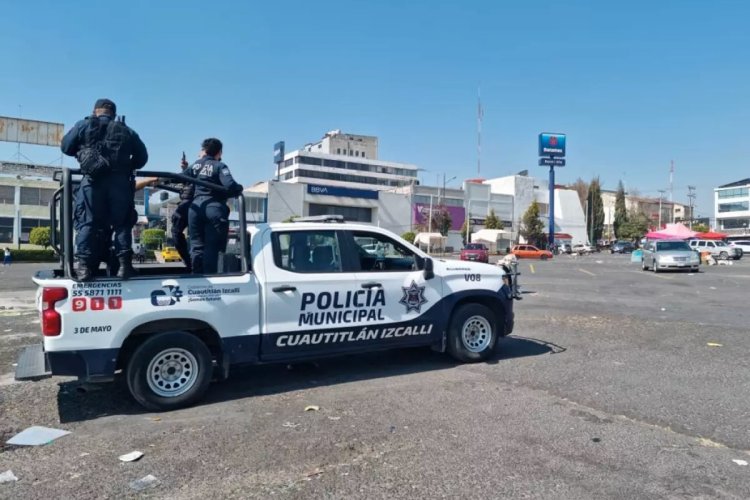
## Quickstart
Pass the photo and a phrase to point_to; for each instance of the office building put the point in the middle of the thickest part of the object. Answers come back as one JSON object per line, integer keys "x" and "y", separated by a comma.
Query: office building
{"x": 732, "y": 207}
{"x": 25, "y": 192}
{"x": 346, "y": 161}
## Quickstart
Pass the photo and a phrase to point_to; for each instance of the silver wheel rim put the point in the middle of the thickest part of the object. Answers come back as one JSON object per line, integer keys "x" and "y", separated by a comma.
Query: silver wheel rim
{"x": 476, "y": 334}
{"x": 172, "y": 372}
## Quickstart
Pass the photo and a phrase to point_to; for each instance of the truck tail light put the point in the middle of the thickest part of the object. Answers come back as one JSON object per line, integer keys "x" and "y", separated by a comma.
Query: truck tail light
{"x": 51, "y": 321}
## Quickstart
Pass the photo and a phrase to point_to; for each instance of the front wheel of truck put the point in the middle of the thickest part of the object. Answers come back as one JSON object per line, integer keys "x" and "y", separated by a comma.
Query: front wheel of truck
{"x": 169, "y": 370}
{"x": 472, "y": 333}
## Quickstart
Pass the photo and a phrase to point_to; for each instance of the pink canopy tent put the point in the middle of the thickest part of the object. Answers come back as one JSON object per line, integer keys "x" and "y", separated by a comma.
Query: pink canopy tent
{"x": 672, "y": 231}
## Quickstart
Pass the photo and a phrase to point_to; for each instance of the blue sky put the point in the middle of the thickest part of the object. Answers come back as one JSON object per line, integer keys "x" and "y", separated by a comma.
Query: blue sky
{"x": 633, "y": 84}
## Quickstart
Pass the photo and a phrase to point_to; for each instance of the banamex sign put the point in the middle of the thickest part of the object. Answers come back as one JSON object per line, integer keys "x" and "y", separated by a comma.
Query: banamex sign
{"x": 552, "y": 145}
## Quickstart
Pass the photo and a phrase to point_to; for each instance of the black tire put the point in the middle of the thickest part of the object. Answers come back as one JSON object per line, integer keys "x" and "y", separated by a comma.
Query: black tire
{"x": 723, "y": 256}
{"x": 653, "y": 267}
{"x": 644, "y": 267}
{"x": 543, "y": 257}
{"x": 197, "y": 378}
{"x": 483, "y": 320}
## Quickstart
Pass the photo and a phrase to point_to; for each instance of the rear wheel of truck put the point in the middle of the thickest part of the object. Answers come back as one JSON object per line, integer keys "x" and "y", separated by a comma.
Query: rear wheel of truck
{"x": 472, "y": 333}
{"x": 169, "y": 370}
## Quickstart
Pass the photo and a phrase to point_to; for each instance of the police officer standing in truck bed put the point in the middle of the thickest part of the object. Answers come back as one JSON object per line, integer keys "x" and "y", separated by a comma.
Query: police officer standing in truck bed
{"x": 208, "y": 221}
{"x": 108, "y": 152}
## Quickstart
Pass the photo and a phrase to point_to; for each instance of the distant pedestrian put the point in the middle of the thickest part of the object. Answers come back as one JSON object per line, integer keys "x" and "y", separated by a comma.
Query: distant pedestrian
{"x": 8, "y": 258}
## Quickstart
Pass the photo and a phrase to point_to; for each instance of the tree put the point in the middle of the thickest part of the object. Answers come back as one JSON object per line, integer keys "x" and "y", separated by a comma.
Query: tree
{"x": 409, "y": 236}
{"x": 635, "y": 226}
{"x": 595, "y": 215}
{"x": 532, "y": 227}
{"x": 582, "y": 189}
{"x": 441, "y": 221}
{"x": 621, "y": 211}
{"x": 493, "y": 221}
{"x": 466, "y": 229}
{"x": 700, "y": 228}
{"x": 152, "y": 238}
{"x": 40, "y": 236}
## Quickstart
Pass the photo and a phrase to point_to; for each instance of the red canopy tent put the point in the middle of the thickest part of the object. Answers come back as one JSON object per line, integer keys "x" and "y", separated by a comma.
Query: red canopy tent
{"x": 711, "y": 236}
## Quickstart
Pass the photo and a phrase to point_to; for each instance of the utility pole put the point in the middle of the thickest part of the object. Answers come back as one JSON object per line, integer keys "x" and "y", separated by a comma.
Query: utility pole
{"x": 661, "y": 199}
{"x": 691, "y": 197}
{"x": 590, "y": 211}
{"x": 480, "y": 115}
{"x": 671, "y": 180}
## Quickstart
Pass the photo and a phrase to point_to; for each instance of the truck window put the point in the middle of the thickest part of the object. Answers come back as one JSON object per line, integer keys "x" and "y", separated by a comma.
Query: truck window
{"x": 377, "y": 252}
{"x": 307, "y": 251}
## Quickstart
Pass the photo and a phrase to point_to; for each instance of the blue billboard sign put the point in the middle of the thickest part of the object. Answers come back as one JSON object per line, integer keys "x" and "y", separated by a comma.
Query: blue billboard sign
{"x": 342, "y": 191}
{"x": 552, "y": 145}
{"x": 278, "y": 152}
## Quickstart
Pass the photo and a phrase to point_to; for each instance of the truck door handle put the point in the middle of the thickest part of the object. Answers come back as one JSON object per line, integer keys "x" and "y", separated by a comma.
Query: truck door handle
{"x": 284, "y": 288}
{"x": 371, "y": 285}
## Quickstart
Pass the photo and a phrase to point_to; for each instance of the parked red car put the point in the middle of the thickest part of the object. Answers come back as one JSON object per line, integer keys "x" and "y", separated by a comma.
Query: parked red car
{"x": 476, "y": 252}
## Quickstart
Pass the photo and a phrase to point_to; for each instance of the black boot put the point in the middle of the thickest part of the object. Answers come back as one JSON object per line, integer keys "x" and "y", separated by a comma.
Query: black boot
{"x": 84, "y": 272}
{"x": 126, "y": 270}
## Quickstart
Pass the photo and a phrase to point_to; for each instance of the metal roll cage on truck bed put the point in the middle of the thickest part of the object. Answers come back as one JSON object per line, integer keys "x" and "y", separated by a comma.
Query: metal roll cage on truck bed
{"x": 314, "y": 288}
{"x": 62, "y": 202}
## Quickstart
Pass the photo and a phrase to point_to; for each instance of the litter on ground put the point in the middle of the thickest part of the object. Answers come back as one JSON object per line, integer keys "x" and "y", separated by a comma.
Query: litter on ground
{"x": 8, "y": 477}
{"x": 143, "y": 483}
{"x": 36, "y": 436}
{"x": 133, "y": 456}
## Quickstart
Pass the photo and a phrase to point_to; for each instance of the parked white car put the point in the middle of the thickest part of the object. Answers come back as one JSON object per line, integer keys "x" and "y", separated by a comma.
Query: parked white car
{"x": 743, "y": 245}
{"x": 719, "y": 249}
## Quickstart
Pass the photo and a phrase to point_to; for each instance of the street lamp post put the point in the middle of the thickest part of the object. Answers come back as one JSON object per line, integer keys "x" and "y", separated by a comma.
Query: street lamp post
{"x": 444, "y": 183}
{"x": 661, "y": 198}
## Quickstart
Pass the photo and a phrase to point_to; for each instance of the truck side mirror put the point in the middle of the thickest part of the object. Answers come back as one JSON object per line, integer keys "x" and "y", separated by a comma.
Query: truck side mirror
{"x": 429, "y": 269}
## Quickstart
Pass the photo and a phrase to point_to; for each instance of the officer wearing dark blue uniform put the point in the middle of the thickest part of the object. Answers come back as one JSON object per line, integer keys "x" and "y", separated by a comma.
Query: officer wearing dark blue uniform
{"x": 180, "y": 219}
{"x": 105, "y": 199}
{"x": 208, "y": 221}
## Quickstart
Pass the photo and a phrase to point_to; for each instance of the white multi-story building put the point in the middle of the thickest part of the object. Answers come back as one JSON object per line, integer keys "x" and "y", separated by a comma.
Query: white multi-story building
{"x": 570, "y": 222}
{"x": 346, "y": 161}
{"x": 25, "y": 192}
{"x": 732, "y": 206}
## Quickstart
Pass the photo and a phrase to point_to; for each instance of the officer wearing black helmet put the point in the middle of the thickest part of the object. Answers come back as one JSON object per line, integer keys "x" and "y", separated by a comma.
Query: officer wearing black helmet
{"x": 208, "y": 221}
{"x": 108, "y": 152}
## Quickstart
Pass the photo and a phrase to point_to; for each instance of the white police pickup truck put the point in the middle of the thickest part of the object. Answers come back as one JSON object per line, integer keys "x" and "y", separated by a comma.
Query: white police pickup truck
{"x": 304, "y": 290}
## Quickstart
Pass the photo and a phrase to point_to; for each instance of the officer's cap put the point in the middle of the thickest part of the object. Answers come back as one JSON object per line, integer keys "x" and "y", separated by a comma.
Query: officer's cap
{"x": 106, "y": 104}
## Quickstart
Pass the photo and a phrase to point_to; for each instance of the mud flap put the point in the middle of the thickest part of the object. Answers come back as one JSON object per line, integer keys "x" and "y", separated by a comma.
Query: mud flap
{"x": 32, "y": 364}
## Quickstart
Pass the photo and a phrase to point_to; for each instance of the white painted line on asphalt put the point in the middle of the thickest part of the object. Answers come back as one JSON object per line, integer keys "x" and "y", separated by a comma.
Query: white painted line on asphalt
{"x": 531, "y": 267}
{"x": 587, "y": 272}
{"x": 660, "y": 276}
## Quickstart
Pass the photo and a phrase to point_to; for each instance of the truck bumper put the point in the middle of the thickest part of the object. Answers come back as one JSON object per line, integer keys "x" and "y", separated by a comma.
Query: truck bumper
{"x": 95, "y": 365}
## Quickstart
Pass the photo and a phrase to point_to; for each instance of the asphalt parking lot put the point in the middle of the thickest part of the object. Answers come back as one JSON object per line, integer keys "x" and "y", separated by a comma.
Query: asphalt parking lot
{"x": 617, "y": 383}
